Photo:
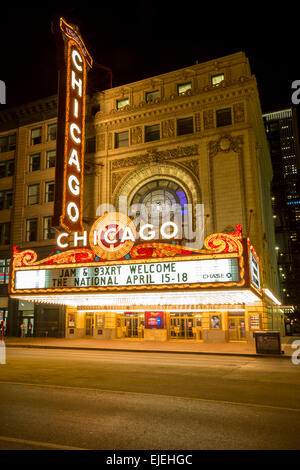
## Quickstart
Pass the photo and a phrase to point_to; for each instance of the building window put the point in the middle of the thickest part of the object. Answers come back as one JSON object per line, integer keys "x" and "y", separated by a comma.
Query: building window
{"x": 7, "y": 168}
{"x": 31, "y": 230}
{"x": 48, "y": 231}
{"x": 121, "y": 139}
{"x": 185, "y": 126}
{"x": 4, "y": 271}
{"x": 6, "y": 199}
{"x": 290, "y": 169}
{"x": 7, "y": 143}
{"x": 151, "y": 95}
{"x": 36, "y": 136}
{"x": 49, "y": 191}
{"x": 33, "y": 194}
{"x": 182, "y": 88}
{"x": 51, "y": 132}
{"x": 120, "y": 104}
{"x": 217, "y": 79}
{"x": 223, "y": 117}
{"x": 5, "y": 233}
{"x": 152, "y": 133}
{"x": 50, "y": 158}
{"x": 35, "y": 162}
{"x": 160, "y": 198}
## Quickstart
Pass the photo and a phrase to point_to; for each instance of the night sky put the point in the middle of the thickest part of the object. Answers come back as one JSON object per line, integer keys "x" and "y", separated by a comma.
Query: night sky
{"x": 143, "y": 39}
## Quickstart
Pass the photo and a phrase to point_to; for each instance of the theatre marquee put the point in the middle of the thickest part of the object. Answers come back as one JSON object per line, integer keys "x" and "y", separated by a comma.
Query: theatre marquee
{"x": 224, "y": 262}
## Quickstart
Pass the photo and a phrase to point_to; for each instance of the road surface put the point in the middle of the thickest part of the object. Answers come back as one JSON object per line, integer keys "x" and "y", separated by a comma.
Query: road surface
{"x": 64, "y": 399}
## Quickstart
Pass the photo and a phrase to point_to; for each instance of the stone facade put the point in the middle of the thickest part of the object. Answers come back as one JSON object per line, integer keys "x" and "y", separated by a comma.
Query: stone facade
{"x": 225, "y": 167}
{"x": 210, "y": 141}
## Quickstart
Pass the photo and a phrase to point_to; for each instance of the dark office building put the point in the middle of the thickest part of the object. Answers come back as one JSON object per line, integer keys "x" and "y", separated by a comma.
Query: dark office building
{"x": 283, "y": 135}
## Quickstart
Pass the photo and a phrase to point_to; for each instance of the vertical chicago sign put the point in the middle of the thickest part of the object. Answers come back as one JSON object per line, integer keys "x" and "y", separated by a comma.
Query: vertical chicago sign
{"x": 74, "y": 62}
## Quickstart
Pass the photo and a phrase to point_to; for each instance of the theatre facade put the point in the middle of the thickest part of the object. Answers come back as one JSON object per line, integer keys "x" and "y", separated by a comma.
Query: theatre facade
{"x": 158, "y": 291}
{"x": 192, "y": 139}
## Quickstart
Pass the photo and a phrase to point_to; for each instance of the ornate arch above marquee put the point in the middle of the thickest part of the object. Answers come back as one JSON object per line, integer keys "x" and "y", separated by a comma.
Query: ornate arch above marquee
{"x": 171, "y": 171}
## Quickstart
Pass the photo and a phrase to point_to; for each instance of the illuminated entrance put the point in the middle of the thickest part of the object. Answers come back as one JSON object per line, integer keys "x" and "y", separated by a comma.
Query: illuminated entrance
{"x": 158, "y": 291}
{"x": 89, "y": 324}
{"x": 185, "y": 326}
{"x": 236, "y": 328}
{"x": 131, "y": 325}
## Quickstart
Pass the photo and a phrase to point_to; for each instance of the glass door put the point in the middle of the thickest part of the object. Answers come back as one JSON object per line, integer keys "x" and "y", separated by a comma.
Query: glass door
{"x": 184, "y": 326}
{"x": 188, "y": 327}
{"x": 89, "y": 325}
{"x": 132, "y": 325}
{"x": 236, "y": 328}
{"x": 27, "y": 325}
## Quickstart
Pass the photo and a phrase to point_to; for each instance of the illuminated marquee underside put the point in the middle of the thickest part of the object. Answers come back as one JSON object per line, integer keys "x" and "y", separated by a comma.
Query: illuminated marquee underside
{"x": 162, "y": 299}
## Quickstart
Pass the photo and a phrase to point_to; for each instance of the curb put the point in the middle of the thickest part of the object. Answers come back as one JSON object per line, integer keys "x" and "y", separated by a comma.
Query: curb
{"x": 157, "y": 351}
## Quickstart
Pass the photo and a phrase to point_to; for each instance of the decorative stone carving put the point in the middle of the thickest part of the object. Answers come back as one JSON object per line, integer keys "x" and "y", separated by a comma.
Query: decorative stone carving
{"x": 168, "y": 128}
{"x": 136, "y": 135}
{"x": 197, "y": 122}
{"x": 239, "y": 112}
{"x": 192, "y": 165}
{"x": 225, "y": 143}
{"x": 116, "y": 178}
{"x": 208, "y": 119}
{"x": 154, "y": 156}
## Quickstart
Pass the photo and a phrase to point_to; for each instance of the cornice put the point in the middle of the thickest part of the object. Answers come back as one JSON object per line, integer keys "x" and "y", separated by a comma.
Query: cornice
{"x": 35, "y": 111}
{"x": 193, "y": 99}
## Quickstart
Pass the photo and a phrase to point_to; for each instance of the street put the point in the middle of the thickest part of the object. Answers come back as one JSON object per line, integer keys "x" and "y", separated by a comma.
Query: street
{"x": 64, "y": 399}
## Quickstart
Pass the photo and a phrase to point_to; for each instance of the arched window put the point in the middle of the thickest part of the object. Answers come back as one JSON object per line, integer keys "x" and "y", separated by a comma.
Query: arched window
{"x": 161, "y": 194}
{"x": 160, "y": 201}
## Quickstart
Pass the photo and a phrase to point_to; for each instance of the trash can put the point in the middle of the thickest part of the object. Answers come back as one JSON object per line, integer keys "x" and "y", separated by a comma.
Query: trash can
{"x": 288, "y": 329}
{"x": 268, "y": 342}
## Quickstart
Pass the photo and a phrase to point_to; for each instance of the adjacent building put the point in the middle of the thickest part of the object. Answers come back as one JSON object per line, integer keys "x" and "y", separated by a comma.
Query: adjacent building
{"x": 192, "y": 136}
{"x": 283, "y": 135}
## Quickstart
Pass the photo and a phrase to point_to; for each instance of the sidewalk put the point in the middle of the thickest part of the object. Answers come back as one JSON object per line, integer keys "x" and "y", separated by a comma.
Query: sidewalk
{"x": 135, "y": 345}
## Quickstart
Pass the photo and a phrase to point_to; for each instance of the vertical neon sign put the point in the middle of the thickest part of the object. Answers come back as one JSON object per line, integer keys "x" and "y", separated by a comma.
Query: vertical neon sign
{"x": 74, "y": 63}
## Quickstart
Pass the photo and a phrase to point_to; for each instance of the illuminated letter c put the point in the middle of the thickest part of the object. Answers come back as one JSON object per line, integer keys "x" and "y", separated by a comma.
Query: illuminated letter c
{"x": 74, "y": 127}
{"x": 75, "y": 56}
{"x": 62, "y": 245}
